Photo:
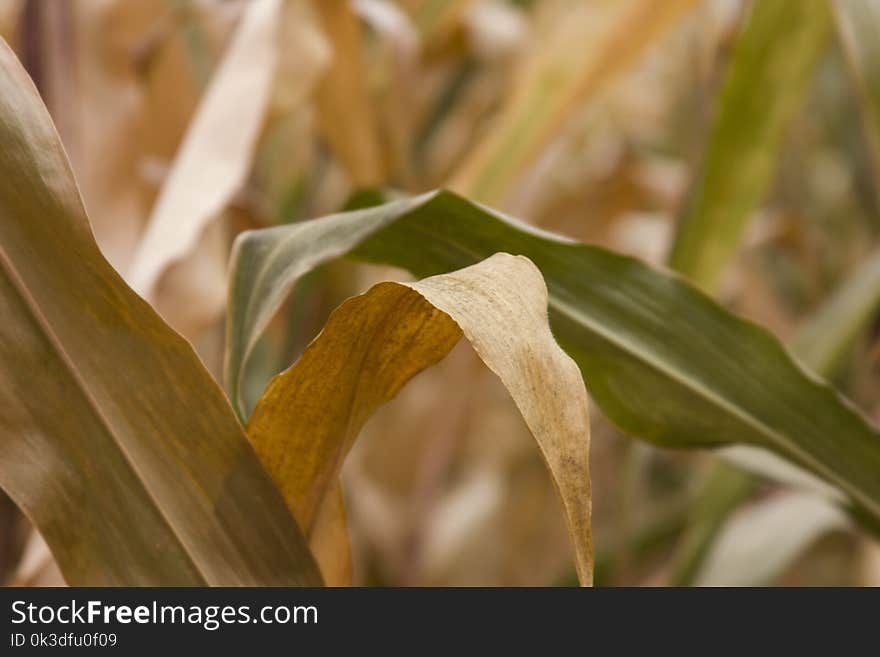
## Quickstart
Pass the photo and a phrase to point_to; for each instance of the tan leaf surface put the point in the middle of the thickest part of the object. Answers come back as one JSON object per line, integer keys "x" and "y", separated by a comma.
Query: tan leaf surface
{"x": 592, "y": 45}
{"x": 345, "y": 116}
{"x": 116, "y": 442}
{"x": 310, "y": 415}
{"x": 215, "y": 157}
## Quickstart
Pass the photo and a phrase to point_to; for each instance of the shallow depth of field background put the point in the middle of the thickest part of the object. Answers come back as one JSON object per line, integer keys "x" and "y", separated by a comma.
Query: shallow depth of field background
{"x": 445, "y": 487}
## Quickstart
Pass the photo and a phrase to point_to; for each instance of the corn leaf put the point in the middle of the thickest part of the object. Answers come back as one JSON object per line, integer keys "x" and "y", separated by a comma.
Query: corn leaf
{"x": 593, "y": 44}
{"x": 821, "y": 345}
{"x": 216, "y": 153}
{"x": 345, "y": 112}
{"x": 310, "y": 415}
{"x": 638, "y": 334}
{"x": 115, "y": 440}
{"x": 772, "y": 63}
{"x": 761, "y": 541}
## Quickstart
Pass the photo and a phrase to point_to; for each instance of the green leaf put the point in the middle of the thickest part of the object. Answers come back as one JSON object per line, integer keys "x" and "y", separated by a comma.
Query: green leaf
{"x": 772, "y": 64}
{"x": 115, "y": 440}
{"x": 663, "y": 360}
{"x": 821, "y": 345}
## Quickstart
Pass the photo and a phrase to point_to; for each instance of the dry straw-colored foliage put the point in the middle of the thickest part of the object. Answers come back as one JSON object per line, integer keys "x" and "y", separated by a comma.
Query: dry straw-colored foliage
{"x": 222, "y": 261}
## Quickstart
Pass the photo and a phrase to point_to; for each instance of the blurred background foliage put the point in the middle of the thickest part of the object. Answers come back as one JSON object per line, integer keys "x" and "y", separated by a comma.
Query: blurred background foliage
{"x": 632, "y": 124}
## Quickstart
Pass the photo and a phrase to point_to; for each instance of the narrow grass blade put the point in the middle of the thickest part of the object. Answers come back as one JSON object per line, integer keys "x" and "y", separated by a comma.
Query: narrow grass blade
{"x": 554, "y": 82}
{"x": 772, "y": 63}
{"x": 345, "y": 112}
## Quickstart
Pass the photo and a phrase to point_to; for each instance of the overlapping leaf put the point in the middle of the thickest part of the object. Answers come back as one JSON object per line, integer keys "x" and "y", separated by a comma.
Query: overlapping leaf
{"x": 310, "y": 415}
{"x": 114, "y": 439}
{"x": 777, "y": 531}
{"x": 639, "y": 335}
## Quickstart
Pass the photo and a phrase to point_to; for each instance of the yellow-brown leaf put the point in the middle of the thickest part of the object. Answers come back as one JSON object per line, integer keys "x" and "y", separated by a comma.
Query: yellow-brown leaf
{"x": 310, "y": 415}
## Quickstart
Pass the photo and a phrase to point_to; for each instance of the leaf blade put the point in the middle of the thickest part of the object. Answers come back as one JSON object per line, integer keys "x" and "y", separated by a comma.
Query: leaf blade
{"x": 553, "y": 82}
{"x": 123, "y": 491}
{"x": 311, "y": 414}
{"x": 215, "y": 156}
{"x": 773, "y": 61}
{"x": 345, "y": 111}
{"x": 636, "y": 333}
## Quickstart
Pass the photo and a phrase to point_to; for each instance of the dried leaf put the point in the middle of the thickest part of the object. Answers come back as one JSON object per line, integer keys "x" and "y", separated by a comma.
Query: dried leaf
{"x": 637, "y": 333}
{"x": 310, "y": 415}
{"x": 217, "y": 150}
{"x": 116, "y": 442}
{"x": 345, "y": 113}
{"x": 567, "y": 69}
